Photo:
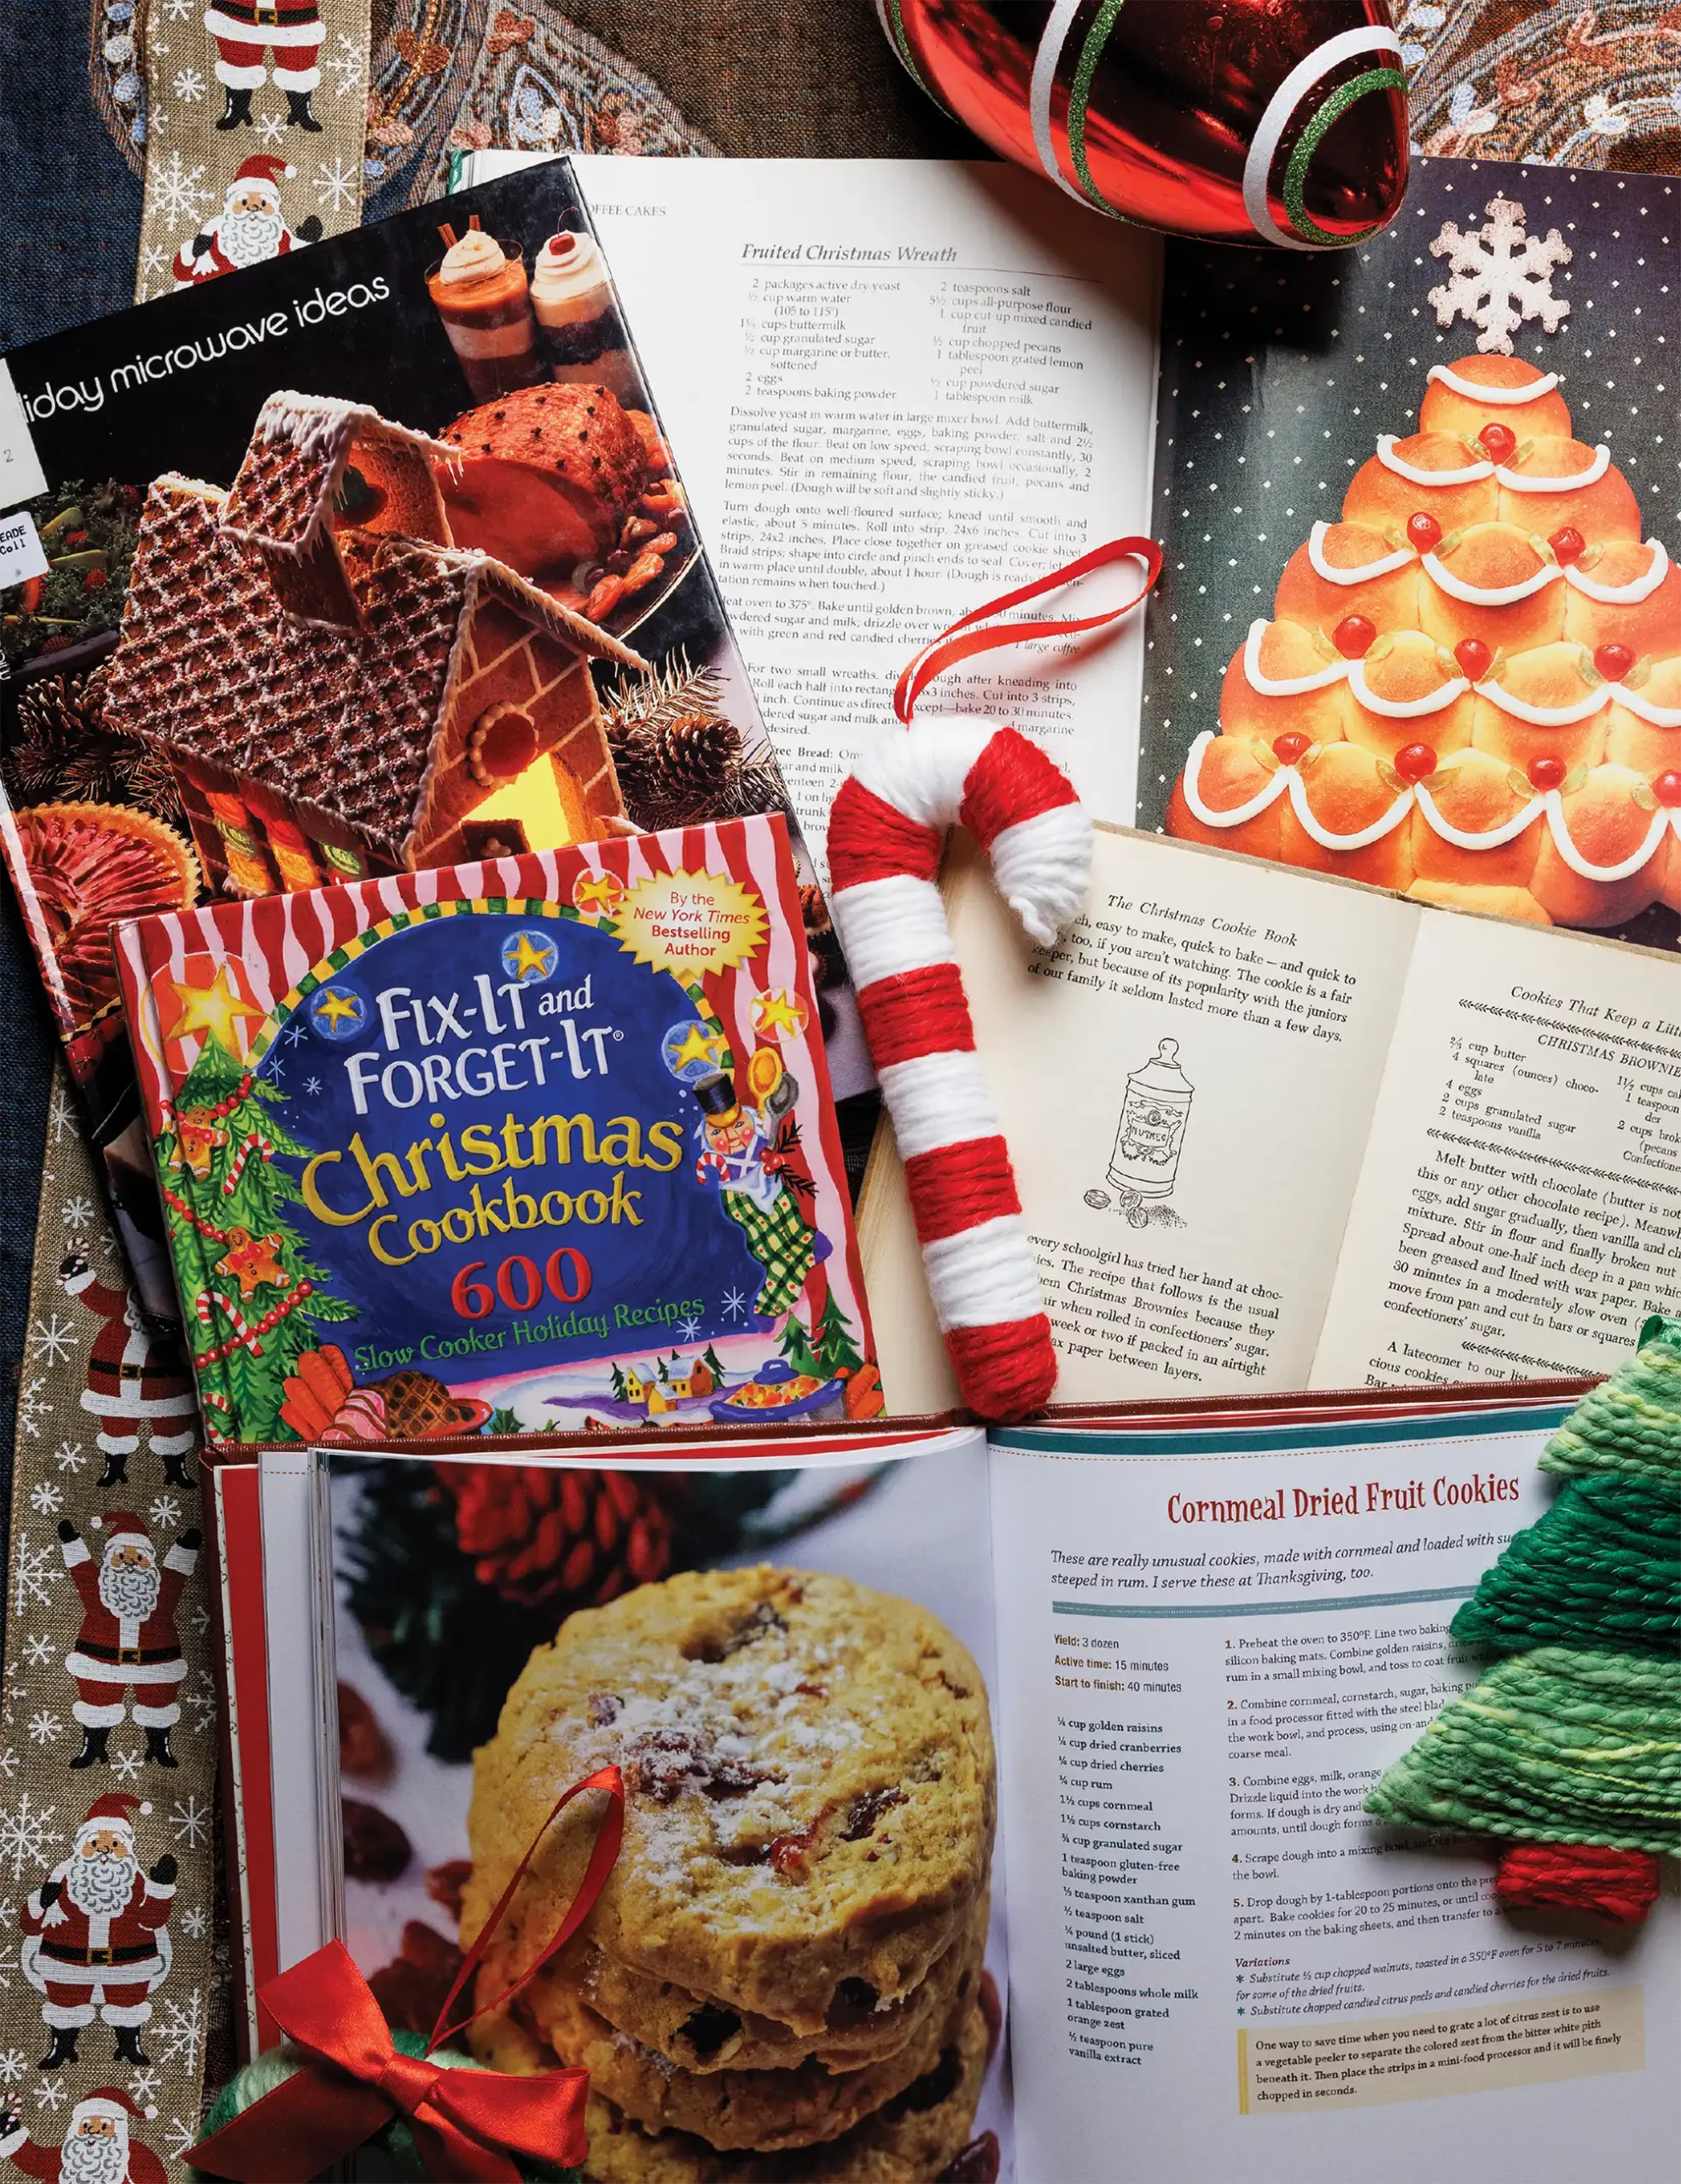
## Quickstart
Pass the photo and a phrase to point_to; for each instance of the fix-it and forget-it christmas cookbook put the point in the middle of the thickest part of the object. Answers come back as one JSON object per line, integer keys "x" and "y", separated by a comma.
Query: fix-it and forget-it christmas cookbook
{"x": 536, "y": 1143}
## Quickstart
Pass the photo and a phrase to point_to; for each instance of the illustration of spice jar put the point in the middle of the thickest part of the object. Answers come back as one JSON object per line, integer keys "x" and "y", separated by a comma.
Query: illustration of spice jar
{"x": 1146, "y": 1156}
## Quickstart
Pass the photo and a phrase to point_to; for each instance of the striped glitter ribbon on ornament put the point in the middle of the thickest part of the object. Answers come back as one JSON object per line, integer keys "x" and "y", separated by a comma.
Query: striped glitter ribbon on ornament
{"x": 886, "y": 834}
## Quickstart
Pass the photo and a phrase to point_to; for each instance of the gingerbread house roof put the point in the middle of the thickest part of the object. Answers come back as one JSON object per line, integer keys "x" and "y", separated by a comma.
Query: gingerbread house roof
{"x": 258, "y": 638}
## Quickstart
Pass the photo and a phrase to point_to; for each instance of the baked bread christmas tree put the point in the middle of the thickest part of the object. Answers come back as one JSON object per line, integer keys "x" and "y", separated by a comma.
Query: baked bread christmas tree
{"x": 1570, "y": 1747}
{"x": 1470, "y": 690}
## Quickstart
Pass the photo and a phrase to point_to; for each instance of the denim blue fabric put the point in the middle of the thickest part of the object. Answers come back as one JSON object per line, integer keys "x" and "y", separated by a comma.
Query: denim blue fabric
{"x": 70, "y": 228}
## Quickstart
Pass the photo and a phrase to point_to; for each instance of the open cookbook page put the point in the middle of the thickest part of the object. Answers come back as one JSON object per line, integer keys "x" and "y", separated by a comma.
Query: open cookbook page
{"x": 898, "y": 388}
{"x": 1209, "y": 1644}
{"x": 787, "y": 1649}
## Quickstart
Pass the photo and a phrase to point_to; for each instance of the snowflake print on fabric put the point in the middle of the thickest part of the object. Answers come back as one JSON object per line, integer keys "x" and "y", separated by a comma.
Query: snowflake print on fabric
{"x": 346, "y": 64}
{"x": 190, "y": 1820}
{"x": 77, "y": 1213}
{"x": 336, "y": 185}
{"x": 44, "y": 1727}
{"x": 1502, "y": 275}
{"x": 52, "y": 1340}
{"x": 34, "y": 1573}
{"x": 70, "y": 1455}
{"x": 45, "y": 1499}
{"x": 179, "y": 2030}
{"x": 13, "y": 2065}
{"x": 51, "y": 2094}
{"x": 25, "y": 1839}
{"x": 165, "y": 1510}
{"x": 33, "y": 1404}
{"x": 177, "y": 192}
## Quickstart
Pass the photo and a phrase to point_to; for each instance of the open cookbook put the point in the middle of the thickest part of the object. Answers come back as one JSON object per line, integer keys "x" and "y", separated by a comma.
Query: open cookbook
{"x": 929, "y": 1737}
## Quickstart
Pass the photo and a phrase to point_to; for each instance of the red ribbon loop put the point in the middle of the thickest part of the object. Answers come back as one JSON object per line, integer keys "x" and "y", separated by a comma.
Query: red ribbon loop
{"x": 947, "y": 649}
{"x": 468, "y": 2124}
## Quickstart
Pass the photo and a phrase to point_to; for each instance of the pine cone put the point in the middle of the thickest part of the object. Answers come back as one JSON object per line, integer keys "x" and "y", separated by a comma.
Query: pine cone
{"x": 696, "y": 751}
{"x": 632, "y": 750}
{"x": 61, "y": 747}
{"x": 539, "y": 1536}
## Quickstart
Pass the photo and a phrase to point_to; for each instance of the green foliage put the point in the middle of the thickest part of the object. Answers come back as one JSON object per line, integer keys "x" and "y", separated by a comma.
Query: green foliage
{"x": 837, "y": 1352}
{"x": 795, "y": 1345}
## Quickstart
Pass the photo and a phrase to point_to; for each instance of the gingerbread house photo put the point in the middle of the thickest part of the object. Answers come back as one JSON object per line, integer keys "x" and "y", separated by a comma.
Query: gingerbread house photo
{"x": 339, "y": 689}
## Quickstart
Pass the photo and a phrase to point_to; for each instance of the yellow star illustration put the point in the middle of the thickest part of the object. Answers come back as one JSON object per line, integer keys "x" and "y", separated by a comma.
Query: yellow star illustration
{"x": 213, "y": 1008}
{"x": 780, "y": 1011}
{"x": 597, "y": 891}
{"x": 529, "y": 956}
{"x": 699, "y": 1046}
{"x": 336, "y": 1008}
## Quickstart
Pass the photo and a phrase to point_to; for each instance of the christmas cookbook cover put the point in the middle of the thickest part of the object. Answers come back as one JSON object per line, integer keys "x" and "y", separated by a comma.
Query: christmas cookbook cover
{"x": 1417, "y": 624}
{"x": 374, "y": 558}
{"x": 538, "y": 1142}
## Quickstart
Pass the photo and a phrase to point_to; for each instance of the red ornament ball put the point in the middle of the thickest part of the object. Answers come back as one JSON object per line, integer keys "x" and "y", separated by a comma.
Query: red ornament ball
{"x": 1353, "y": 636}
{"x": 1290, "y": 749}
{"x": 1568, "y": 542}
{"x": 1253, "y": 120}
{"x": 1415, "y": 762}
{"x": 1614, "y": 661}
{"x": 1545, "y": 774}
{"x": 1667, "y": 789}
{"x": 1497, "y": 441}
{"x": 1474, "y": 657}
{"x": 1423, "y": 531}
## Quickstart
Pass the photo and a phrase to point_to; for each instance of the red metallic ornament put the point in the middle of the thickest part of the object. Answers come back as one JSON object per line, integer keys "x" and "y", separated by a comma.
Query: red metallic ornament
{"x": 1415, "y": 761}
{"x": 1354, "y": 635}
{"x": 1277, "y": 121}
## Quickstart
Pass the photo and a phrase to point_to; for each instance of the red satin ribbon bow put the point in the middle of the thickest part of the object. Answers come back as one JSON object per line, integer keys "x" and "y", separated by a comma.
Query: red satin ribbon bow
{"x": 468, "y": 2124}
{"x": 948, "y": 649}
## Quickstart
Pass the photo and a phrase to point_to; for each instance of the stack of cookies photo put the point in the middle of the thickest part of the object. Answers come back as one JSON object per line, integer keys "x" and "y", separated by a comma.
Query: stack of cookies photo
{"x": 784, "y": 1976}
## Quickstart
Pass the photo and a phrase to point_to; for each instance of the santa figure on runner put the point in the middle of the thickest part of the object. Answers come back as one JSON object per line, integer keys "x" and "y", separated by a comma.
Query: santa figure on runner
{"x": 291, "y": 31}
{"x": 96, "y": 1933}
{"x": 97, "y": 2149}
{"x": 132, "y": 1380}
{"x": 249, "y": 228}
{"x": 127, "y": 1640}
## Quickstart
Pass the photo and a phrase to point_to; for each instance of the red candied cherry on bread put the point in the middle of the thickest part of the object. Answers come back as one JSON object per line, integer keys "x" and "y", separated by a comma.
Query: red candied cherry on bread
{"x": 1353, "y": 636}
{"x": 1614, "y": 661}
{"x": 1290, "y": 749}
{"x": 1415, "y": 762}
{"x": 1497, "y": 441}
{"x": 1474, "y": 657}
{"x": 1423, "y": 531}
{"x": 1568, "y": 542}
{"x": 1546, "y": 773}
{"x": 1667, "y": 789}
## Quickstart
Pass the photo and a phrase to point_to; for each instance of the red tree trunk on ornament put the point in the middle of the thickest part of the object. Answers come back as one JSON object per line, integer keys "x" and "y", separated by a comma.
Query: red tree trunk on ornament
{"x": 1620, "y": 1887}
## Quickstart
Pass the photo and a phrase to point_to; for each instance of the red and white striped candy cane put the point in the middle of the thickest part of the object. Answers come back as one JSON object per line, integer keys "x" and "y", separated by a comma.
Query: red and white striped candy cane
{"x": 887, "y": 832}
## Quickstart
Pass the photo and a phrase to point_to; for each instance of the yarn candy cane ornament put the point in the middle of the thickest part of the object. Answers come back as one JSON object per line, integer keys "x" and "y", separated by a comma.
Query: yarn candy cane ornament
{"x": 886, "y": 832}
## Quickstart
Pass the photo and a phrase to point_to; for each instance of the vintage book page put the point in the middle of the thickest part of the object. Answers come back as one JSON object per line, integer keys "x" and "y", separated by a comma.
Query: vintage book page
{"x": 1185, "y": 1085}
{"x": 1517, "y": 1213}
{"x": 1209, "y": 1644}
{"x": 898, "y": 388}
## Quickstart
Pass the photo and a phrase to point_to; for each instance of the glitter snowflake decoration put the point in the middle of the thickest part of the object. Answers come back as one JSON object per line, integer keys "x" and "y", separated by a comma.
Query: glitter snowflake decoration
{"x": 23, "y": 1833}
{"x": 1502, "y": 275}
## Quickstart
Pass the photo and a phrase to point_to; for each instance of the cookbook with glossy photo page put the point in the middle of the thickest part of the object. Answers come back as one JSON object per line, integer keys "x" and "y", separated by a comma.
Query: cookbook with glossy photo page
{"x": 994, "y": 1805}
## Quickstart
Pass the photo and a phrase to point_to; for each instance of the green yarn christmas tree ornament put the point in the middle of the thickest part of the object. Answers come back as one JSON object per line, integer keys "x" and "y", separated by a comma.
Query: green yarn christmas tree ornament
{"x": 391, "y": 2155}
{"x": 1569, "y": 1749}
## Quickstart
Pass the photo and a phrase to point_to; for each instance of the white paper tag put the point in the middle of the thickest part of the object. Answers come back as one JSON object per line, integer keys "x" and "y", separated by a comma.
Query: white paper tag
{"x": 21, "y": 555}
{"x": 21, "y": 477}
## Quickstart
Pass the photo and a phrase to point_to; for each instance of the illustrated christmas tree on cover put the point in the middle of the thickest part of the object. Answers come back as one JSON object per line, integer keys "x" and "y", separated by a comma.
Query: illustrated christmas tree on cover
{"x": 1569, "y": 1749}
{"x": 257, "y": 1298}
{"x": 1471, "y": 688}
